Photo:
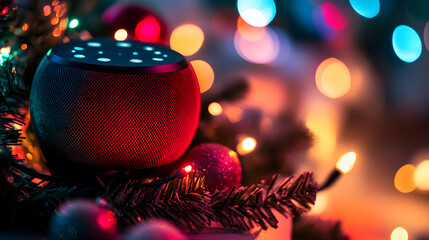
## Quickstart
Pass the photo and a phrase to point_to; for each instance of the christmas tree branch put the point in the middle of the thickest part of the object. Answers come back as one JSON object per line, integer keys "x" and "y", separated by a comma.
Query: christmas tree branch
{"x": 185, "y": 202}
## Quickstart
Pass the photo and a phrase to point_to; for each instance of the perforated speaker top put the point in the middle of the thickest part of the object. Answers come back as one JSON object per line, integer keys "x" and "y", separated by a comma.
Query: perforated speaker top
{"x": 114, "y": 56}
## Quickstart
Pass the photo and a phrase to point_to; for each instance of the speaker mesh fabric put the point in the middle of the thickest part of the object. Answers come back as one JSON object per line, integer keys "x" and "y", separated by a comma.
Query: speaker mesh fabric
{"x": 113, "y": 120}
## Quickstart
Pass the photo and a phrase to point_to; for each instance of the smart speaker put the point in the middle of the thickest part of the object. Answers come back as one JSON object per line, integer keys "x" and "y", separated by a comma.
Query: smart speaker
{"x": 106, "y": 104}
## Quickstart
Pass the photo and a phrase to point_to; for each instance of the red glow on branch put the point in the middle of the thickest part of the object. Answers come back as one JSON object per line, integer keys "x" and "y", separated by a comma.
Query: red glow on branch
{"x": 107, "y": 220}
{"x": 148, "y": 30}
{"x": 188, "y": 169}
{"x": 4, "y": 11}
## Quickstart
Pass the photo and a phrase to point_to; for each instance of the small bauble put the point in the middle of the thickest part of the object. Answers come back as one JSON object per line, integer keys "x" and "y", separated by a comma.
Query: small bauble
{"x": 140, "y": 23}
{"x": 155, "y": 230}
{"x": 107, "y": 105}
{"x": 82, "y": 220}
{"x": 219, "y": 164}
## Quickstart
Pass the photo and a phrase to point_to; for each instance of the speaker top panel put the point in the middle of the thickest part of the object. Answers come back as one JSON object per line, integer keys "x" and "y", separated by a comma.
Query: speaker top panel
{"x": 109, "y": 55}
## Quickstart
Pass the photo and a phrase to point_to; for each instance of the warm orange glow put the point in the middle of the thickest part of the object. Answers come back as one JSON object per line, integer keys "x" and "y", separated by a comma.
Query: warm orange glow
{"x": 421, "y": 176}
{"x": 46, "y": 10}
{"x": 60, "y": 12}
{"x": 66, "y": 39}
{"x": 29, "y": 156}
{"x": 262, "y": 50}
{"x": 234, "y": 113}
{"x": 57, "y": 32}
{"x": 249, "y": 32}
{"x": 215, "y": 109}
{"x": 333, "y": 78}
{"x": 63, "y": 24}
{"x": 404, "y": 179}
{"x": 25, "y": 27}
{"x": 54, "y": 20}
{"x": 320, "y": 204}
{"x": 121, "y": 35}
{"x": 187, "y": 39}
{"x": 24, "y": 46}
{"x": 346, "y": 162}
{"x": 55, "y": 2}
{"x": 323, "y": 121}
{"x": 205, "y": 74}
{"x": 188, "y": 169}
{"x": 246, "y": 146}
{"x": 399, "y": 234}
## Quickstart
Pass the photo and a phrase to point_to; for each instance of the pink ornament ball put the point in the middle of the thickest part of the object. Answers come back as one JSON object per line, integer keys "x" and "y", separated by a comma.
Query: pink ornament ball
{"x": 219, "y": 164}
{"x": 82, "y": 220}
{"x": 155, "y": 230}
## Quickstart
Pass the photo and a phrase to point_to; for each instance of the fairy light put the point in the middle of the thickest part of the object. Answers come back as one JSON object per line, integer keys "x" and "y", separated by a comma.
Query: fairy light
{"x": 346, "y": 162}
{"x": 73, "y": 23}
{"x": 404, "y": 179}
{"x": 399, "y": 234}
{"x": 46, "y": 10}
{"x": 5, "y": 51}
{"x": 54, "y": 20}
{"x": 24, "y": 27}
{"x": 187, "y": 39}
{"x": 421, "y": 176}
{"x": 121, "y": 34}
{"x": 188, "y": 168}
{"x": 344, "y": 165}
{"x": 246, "y": 146}
{"x": 57, "y": 32}
{"x": 29, "y": 156}
{"x": 215, "y": 109}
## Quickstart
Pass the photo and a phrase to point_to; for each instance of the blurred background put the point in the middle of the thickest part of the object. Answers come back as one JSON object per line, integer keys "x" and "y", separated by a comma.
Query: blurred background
{"x": 292, "y": 86}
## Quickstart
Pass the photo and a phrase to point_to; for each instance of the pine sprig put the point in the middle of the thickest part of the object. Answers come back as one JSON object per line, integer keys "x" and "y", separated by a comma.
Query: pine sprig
{"x": 182, "y": 201}
{"x": 185, "y": 202}
{"x": 245, "y": 207}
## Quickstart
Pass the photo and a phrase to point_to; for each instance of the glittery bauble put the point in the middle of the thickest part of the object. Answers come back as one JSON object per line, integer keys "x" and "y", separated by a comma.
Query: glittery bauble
{"x": 83, "y": 220}
{"x": 140, "y": 23}
{"x": 155, "y": 230}
{"x": 219, "y": 164}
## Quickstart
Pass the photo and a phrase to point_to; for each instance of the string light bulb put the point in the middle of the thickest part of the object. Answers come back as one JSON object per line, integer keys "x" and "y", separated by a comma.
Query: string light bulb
{"x": 121, "y": 35}
{"x": 346, "y": 162}
{"x": 246, "y": 146}
{"x": 344, "y": 165}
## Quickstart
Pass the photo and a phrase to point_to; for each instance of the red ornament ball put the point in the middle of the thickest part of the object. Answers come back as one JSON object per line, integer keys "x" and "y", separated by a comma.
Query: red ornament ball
{"x": 219, "y": 164}
{"x": 83, "y": 220}
{"x": 155, "y": 230}
{"x": 140, "y": 23}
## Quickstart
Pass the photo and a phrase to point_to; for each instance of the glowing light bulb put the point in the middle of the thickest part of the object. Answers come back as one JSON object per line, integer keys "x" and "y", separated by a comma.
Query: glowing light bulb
{"x": 73, "y": 23}
{"x": 205, "y": 74}
{"x": 366, "y": 8}
{"x": 246, "y": 146}
{"x": 187, "y": 39}
{"x": 421, "y": 176}
{"x": 25, "y": 27}
{"x": 107, "y": 220}
{"x": 121, "y": 35}
{"x": 406, "y": 43}
{"x": 404, "y": 179}
{"x": 346, "y": 162}
{"x": 258, "y": 13}
{"x": 333, "y": 78}
{"x": 148, "y": 29}
{"x": 399, "y": 234}
{"x": 188, "y": 168}
{"x": 215, "y": 109}
{"x": 262, "y": 50}
{"x": 333, "y": 16}
{"x": 5, "y": 51}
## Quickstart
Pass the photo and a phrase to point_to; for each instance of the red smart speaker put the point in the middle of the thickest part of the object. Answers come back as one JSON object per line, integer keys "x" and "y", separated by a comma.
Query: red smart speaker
{"x": 103, "y": 104}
